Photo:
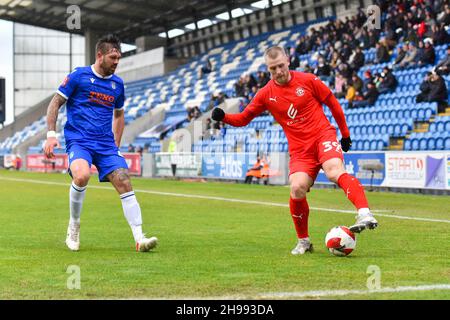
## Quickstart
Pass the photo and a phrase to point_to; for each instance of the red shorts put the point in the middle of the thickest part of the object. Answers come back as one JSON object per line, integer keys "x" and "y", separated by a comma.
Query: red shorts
{"x": 309, "y": 157}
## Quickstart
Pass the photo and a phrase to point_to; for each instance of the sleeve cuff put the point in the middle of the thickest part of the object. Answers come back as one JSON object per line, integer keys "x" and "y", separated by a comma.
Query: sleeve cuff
{"x": 62, "y": 94}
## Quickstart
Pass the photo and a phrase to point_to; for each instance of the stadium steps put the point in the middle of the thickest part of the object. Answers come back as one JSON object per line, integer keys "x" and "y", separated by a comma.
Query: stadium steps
{"x": 396, "y": 143}
{"x": 420, "y": 126}
{"x": 446, "y": 113}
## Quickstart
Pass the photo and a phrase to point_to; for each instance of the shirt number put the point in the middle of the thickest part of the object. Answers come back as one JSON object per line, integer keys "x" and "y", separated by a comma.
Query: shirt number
{"x": 329, "y": 145}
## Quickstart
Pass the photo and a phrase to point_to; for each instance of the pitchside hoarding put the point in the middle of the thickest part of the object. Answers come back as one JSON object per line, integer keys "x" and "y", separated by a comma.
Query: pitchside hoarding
{"x": 227, "y": 165}
{"x": 415, "y": 170}
{"x": 356, "y": 164}
{"x": 39, "y": 162}
{"x": 187, "y": 164}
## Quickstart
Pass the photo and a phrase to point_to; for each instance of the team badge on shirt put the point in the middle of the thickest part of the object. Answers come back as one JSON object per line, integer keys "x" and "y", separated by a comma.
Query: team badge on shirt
{"x": 299, "y": 91}
{"x": 113, "y": 85}
{"x": 66, "y": 79}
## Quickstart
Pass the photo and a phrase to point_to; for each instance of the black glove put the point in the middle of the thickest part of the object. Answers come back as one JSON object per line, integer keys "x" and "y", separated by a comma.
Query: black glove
{"x": 218, "y": 114}
{"x": 346, "y": 144}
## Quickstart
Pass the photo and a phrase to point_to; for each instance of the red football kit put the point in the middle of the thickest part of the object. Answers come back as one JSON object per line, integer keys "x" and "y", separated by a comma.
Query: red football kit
{"x": 297, "y": 107}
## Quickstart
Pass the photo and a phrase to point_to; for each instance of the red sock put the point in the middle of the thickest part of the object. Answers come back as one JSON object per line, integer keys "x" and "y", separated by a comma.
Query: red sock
{"x": 353, "y": 190}
{"x": 300, "y": 213}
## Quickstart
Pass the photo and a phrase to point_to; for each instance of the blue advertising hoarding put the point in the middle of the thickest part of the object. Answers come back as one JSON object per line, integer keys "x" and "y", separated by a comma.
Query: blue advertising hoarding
{"x": 354, "y": 163}
{"x": 227, "y": 165}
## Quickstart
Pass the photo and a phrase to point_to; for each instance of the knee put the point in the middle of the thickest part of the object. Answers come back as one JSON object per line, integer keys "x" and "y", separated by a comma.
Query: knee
{"x": 334, "y": 173}
{"x": 81, "y": 178}
{"x": 298, "y": 190}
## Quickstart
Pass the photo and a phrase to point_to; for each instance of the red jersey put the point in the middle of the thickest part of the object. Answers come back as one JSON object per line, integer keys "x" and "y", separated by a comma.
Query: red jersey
{"x": 297, "y": 107}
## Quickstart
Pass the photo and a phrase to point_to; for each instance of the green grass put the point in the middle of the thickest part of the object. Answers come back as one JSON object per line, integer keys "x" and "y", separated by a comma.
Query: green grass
{"x": 210, "y": 248}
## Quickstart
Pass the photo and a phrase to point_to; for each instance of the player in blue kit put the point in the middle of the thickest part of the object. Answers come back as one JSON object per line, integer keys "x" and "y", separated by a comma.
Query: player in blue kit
{"x": 94, "y": 98}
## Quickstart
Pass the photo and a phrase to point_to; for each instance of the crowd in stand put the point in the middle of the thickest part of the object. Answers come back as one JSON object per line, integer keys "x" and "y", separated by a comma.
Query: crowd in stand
{"x": 338, "y": 52}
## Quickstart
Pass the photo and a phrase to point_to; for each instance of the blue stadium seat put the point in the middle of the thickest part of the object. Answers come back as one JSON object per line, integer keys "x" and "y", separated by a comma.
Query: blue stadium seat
{"x": 407, "y": 146}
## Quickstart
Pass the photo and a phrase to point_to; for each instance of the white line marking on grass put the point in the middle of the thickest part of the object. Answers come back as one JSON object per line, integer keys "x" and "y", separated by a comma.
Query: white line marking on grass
{"x": 331, "y": 293}
{"x": 193, "y": 196}
{"x": 313, "y": 294}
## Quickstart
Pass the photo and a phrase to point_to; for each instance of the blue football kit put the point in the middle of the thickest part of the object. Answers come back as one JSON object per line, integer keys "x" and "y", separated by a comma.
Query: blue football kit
{"x": 91, "y": 101}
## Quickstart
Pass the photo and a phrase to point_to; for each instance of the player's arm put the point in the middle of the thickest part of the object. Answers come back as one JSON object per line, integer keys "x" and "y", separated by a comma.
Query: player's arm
{"x": 254, "y": 108}
{"x": 338, "y": 115}
{"x": 324, "y": 95}
{"x": 118, "y": 125}
{"x": 52, "y": 115}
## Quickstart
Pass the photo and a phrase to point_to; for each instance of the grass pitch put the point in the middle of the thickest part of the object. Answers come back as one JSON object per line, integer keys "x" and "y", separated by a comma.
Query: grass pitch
{"x": 212, "y": 247}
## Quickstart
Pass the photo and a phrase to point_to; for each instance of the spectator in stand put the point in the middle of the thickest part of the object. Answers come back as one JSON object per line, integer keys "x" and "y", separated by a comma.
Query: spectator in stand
{"x": 339, "y": 86}
{"x": 368, "y": 98}
{"x": 433, "y": 89}
{"x": 382, "y": 53}
{"x": 443, "y": 67}
{"x": 350, "y": 92}
{"x": 444, "y": 16}
{"x": 207, "y": 68}
{"x": 367, "y": 78}
{"x": 428, "y": 54}
{"x": 252, "y": 93}
{"x": 196, "y": 113}
{"x": 411, "y": 34}
{"x": 357, "y": 59}
{"x": 388, "y": 81}
{"x": 358, "y": 84}
{"x": 131, "y": 148}
{"x": 390, "y": 39}
{"x": 262, "y": 79}
{"x": 250, "y": 82}
{"x": 410, "y": 58}
{"x": 439, "y": 35}
{"x": 323, "y": 70}
{"x": 239, "y": 87}
{"x": 293, "y": 59}
{"x": 401, "y": 54}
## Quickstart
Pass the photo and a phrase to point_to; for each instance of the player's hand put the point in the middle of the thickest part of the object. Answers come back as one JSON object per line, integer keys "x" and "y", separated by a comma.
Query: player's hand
{"x": 218, "y": 114}
{"x": 49, "y": 145}
{"x": 346, "y": 144}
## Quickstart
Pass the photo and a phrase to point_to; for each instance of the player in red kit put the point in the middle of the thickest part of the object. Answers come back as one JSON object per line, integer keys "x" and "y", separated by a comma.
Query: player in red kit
{"x": 295, "y": 100}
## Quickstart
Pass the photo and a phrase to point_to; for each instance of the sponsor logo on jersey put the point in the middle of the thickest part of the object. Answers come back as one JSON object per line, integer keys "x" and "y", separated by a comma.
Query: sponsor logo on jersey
{"x": 101, "y": 98}
{"x": 273, "y": 99}
{"x": 292, "y": 112}
{"x": 299, "y": 91}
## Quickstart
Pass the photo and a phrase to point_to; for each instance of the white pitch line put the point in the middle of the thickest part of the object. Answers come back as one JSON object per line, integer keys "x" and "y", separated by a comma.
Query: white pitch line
{"x": 331, "y": 293}
{"x": 314, "y": 294}
{"x": 273, "y": 204}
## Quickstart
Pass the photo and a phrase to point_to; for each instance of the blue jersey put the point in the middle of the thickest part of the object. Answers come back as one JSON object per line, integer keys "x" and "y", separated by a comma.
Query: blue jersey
{"x": 91, "y": 100}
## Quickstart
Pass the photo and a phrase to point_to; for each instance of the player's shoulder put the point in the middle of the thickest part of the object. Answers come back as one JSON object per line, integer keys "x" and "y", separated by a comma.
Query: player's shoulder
{"x": 117, "y": 79}
{"x": 305, "y": 75}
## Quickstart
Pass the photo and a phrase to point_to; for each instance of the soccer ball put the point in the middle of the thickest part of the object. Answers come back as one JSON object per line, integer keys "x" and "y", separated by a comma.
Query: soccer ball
{"x": 340, "y": 241}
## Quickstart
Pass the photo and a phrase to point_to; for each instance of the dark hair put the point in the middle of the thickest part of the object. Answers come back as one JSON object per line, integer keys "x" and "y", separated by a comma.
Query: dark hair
{"x": 107, "y": 42}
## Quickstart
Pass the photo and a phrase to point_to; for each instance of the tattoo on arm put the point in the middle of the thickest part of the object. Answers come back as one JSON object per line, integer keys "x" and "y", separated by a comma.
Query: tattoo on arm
{"x": 52, "y": 111}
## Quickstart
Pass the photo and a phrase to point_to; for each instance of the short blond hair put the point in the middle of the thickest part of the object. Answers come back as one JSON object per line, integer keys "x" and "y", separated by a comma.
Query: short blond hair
{"x": 274, "y": 52}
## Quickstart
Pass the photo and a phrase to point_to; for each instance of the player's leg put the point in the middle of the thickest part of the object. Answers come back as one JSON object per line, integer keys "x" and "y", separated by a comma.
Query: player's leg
{"x": 300, "y": 183}
{"x": 131, "y": 209}
{"x": 79, "y": 169}
{"x": 335, "y": 172}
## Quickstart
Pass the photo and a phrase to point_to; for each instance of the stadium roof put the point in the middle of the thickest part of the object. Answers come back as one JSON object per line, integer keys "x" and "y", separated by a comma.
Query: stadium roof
{"x": 129, "y": 19}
